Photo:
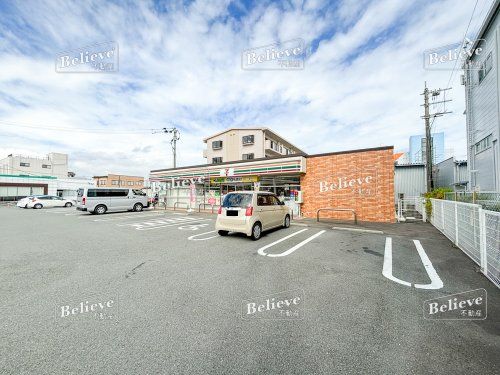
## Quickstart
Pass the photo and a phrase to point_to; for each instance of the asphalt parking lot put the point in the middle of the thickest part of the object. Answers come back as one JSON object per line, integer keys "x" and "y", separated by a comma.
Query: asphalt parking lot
{"x": 172, "y": 296}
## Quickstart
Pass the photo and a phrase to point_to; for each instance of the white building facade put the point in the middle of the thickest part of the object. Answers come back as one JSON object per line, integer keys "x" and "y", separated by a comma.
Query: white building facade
{"x": 15, "y": 187}
{"x": 54, "y": 164}
{"x": 482, "y": 93}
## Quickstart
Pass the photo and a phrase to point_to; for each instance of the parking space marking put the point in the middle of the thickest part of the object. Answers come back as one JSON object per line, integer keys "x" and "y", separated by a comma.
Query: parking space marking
{"x": 168, "y": 225}
{"x": 193, "y": 238}
{"x": 162, "y": 223}
{"x": 291, "y": 250}
{"x": 195, "y": 226}
{"x": 436, "y": 282}
{"x": 261, "y": 250}
{"x": 387, "y": 268}
{"x": 52, "y": 211}
{"x": 128, "y": 216}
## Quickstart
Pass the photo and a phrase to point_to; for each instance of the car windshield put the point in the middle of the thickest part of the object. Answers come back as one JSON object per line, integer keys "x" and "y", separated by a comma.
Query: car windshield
{"x": 237, "y": 200}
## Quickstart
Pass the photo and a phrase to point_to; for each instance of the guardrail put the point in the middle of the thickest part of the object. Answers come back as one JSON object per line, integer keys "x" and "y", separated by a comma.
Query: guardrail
{"x": 176, "y": 203}
{"x": 207, "y": 204}
{"x": 337, "y": 209}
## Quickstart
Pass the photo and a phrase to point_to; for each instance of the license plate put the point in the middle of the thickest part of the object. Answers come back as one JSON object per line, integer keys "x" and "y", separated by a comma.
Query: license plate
{"x": 232, "y": 213}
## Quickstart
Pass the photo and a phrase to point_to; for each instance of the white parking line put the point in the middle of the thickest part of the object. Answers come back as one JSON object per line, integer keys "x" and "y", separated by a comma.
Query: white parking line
{"x": 436, "y": 282}
{"x": 170, "y": 225}
{"x": 291, "y": 250}
{"x": 115, "y": 217}
{"x": 387, "y": 268}
{"x": 261, "y": 250}
{"x": 192, "y": 238}
{"x": 163, "y": 222}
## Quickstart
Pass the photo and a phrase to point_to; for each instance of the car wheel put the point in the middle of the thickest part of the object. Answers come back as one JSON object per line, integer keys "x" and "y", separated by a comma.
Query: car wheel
{"x": 37, "y": 206}
{"x": 223, "y": 232}
{"x": 138, "y": 207}
{"x": 101, "y": 209}
{"x": 256, "y": 231}
{"x": 286, "y": 224}
{"x": 68, "y": 204}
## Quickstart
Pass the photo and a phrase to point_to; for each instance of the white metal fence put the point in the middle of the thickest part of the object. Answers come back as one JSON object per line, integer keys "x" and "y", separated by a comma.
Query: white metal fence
{"x": 411, "y": 208}
{"x": 474, "y": 230}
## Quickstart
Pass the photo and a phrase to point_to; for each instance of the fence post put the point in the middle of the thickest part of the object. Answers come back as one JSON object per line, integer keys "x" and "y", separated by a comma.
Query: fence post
{"x": 456, "y": 223}
{"x": 482, "y": 241}
{"x": 442, "y": 214}
{"x": 424, "y": 210}
{"x": 399, "y": 209}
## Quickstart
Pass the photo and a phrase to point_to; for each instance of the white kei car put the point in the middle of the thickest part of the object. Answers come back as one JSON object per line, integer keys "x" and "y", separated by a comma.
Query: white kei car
{"x": 44, "y": 201}
{"x": 251, "y": 213}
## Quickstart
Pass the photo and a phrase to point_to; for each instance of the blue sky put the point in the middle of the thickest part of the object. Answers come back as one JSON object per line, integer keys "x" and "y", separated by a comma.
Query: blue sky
{"x": 180, "y": 64}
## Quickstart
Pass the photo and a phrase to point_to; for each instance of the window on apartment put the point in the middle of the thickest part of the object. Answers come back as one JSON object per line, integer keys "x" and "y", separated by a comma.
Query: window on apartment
{"x": 102, "y": 182}
{"x": 46, "y": 166}
{"x": 139, "y": 183}
{"x": 483, "y": 144}
{"x": 485, "y": 67}
{"x": 217, "y": 160}
{"x": 248, "y": 156}
{"x": 248, "y": 140}
{"x": 130, "y": 183}
{"x": 114, "y": 182}
{"x": 216, "y": 145}
{"x": 24, "y": 164}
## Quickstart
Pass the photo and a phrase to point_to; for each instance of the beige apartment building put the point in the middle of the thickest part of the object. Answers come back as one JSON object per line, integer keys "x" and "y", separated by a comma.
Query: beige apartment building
{"x": 246, "y": 144}
{"x": 119, "y": 180}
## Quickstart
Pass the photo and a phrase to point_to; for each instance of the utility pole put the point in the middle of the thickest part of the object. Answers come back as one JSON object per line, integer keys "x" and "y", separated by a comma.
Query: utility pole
{"x": 173, "y": 142}
{"x": 428, "y": 137}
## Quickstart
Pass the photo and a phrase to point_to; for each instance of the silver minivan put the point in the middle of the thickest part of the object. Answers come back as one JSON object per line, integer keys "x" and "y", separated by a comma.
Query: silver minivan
{"x": 97, "y": 200}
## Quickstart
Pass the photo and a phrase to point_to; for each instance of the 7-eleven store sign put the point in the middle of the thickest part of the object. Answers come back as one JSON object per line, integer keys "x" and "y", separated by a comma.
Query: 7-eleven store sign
{"x": 226, "y": 172}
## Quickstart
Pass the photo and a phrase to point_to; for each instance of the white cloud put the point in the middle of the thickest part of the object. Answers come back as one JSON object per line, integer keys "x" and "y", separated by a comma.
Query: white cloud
{"x": 183, "y": 67}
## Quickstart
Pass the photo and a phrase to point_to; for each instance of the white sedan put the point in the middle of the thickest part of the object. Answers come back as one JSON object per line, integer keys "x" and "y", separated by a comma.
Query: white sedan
{"x": 41, "y": 201}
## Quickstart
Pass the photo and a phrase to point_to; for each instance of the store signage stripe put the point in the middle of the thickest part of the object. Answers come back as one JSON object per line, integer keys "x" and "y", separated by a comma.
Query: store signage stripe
{"x": 236, "y": 172}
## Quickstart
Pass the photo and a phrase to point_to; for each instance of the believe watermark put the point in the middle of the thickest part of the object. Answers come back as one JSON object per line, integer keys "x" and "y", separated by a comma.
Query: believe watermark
{"x": 287, "y": 55}
{"x": 470, "y": 305}
{"x": 89, "y": 308}
{"x": 282, "y": 305}
{"x": 454, "y": 56}
{"x": 97, "y": 58}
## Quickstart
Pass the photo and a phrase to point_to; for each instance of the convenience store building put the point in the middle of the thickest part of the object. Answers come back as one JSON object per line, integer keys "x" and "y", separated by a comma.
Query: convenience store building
{"x": 361, "y": 180}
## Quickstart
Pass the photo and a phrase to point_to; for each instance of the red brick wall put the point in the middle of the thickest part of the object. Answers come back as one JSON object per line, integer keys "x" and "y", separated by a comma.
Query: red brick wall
{"x": 366, "y": 180}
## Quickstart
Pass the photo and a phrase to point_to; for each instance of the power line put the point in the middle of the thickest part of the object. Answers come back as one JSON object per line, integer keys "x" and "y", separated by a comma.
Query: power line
{"x": 456, "y": 61}
{"x": 173, "y": 142}
{"x": 428, "y": 138}
{"x": 80, "y": 130}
